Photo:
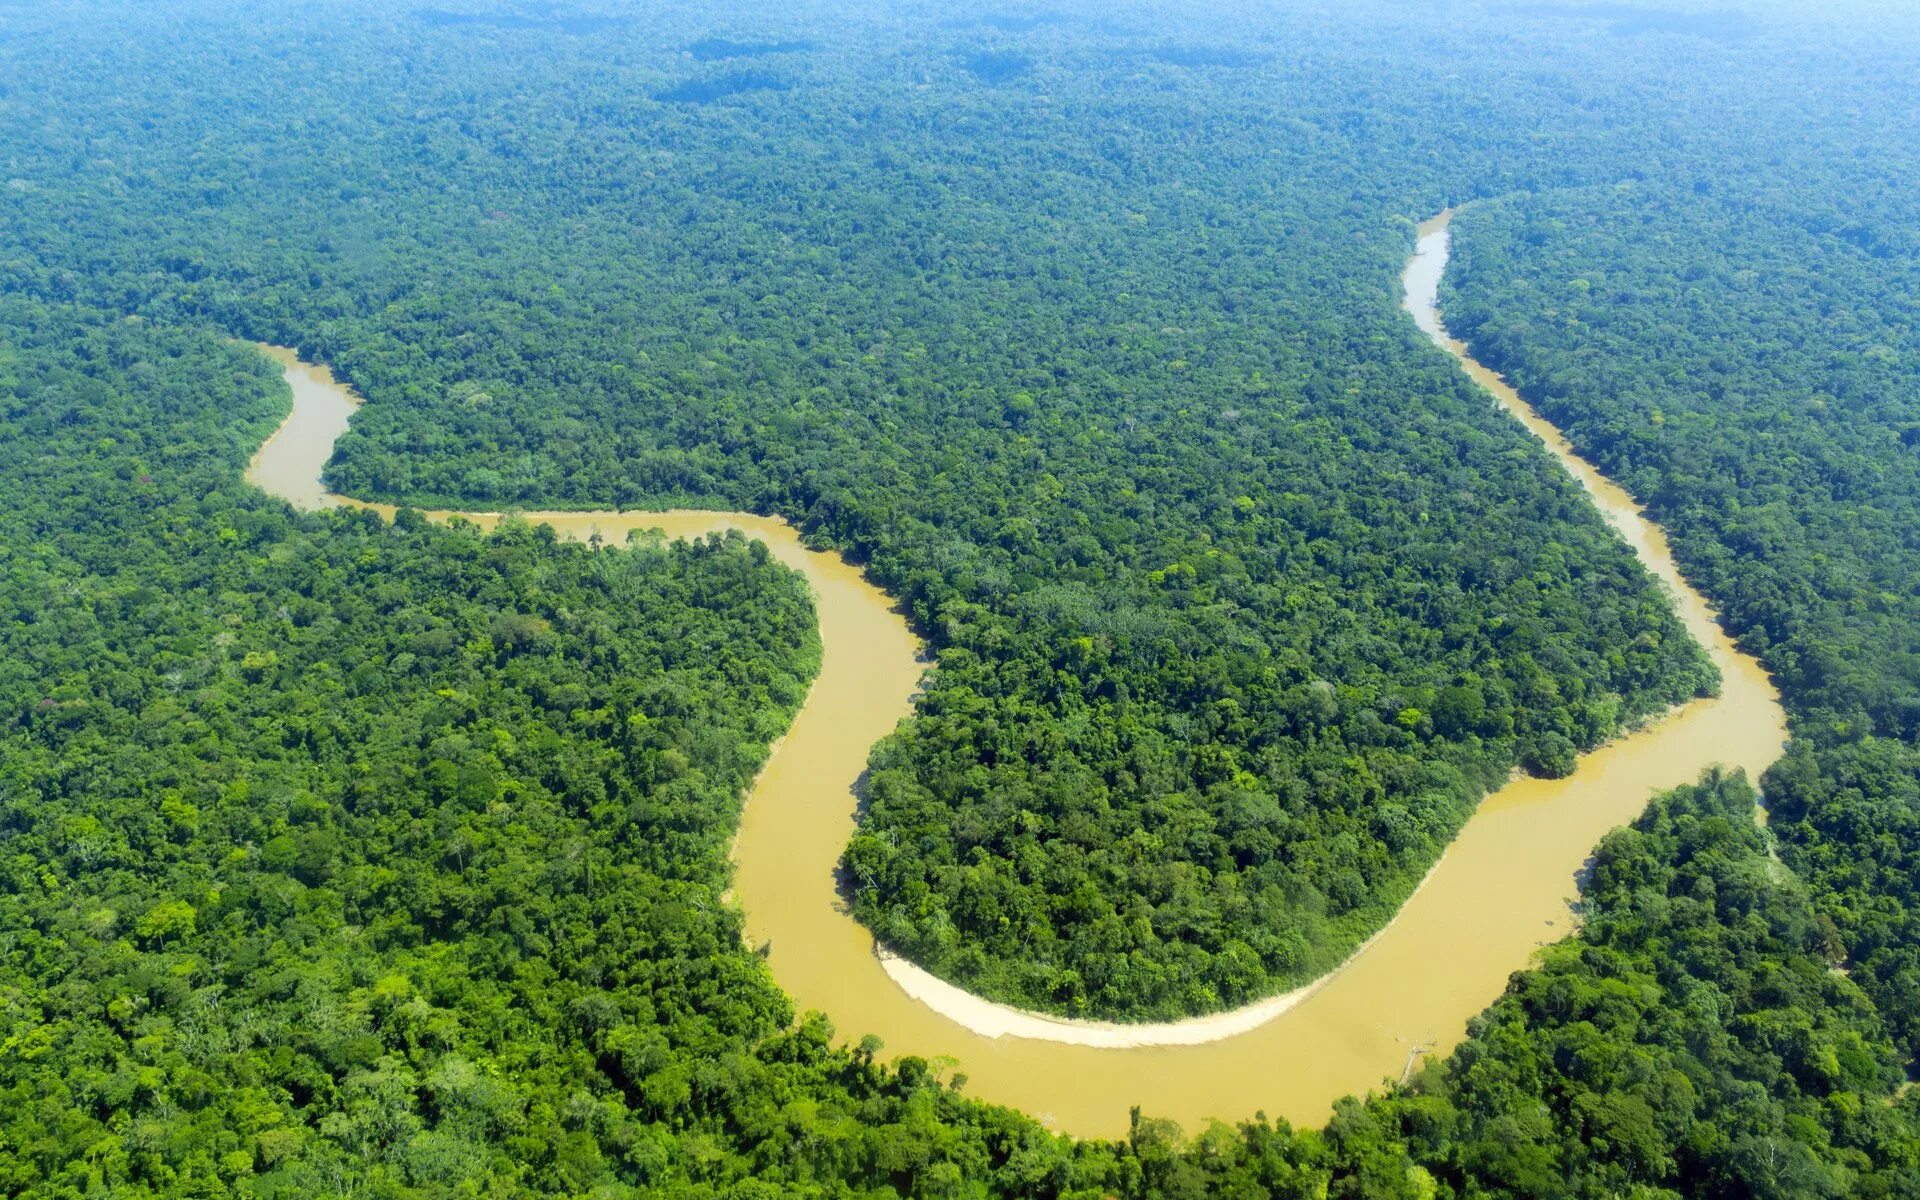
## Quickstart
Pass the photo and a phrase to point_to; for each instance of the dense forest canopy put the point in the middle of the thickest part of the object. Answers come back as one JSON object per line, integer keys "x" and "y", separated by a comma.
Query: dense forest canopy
{"x": 1746, "y": 357}
{"x": 1239, "y": 602}
{"x": 352, "y": 859}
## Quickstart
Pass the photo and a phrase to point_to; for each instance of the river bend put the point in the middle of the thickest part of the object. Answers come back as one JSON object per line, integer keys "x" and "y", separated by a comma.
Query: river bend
{"x": 1501, "y": 890}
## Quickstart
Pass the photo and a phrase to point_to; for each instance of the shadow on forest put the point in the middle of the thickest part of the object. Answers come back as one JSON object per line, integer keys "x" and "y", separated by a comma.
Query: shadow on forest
{"x": 706, "y": 91}
{"x": 844, "y": 884}
{"x": 716, "y": 49}
{"x": 997, "y": 66}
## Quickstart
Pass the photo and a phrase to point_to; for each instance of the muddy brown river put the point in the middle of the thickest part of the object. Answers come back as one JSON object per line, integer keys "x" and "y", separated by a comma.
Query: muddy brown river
{"x": 1503, "y": 889}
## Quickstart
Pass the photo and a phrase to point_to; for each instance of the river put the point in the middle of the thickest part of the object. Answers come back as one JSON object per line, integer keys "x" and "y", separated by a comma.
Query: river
{"x": 1502, "y": 889}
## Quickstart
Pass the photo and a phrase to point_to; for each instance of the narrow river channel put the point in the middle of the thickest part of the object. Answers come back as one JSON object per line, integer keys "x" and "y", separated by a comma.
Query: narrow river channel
{"x": 1500, "y": 891}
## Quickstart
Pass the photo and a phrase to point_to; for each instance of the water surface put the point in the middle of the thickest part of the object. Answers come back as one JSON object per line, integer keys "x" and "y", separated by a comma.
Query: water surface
{"x": 1502, "y": 890}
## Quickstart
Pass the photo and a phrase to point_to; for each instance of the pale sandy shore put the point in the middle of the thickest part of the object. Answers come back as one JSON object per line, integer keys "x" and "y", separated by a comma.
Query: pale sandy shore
{"x": 991, "y": 1020}
{"x": 1499, "y": 893}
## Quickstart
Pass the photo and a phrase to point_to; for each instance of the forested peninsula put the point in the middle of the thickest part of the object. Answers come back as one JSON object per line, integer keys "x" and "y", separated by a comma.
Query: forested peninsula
{"x": 347, "y": 858}
{"x": 1230, "y": 636}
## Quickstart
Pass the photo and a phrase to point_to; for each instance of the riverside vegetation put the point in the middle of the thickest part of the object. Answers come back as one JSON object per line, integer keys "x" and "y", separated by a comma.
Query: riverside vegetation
{"x": 1229, "y": 637}
{"x": 352, "y": 859}
{"x": 1776, "y": 433}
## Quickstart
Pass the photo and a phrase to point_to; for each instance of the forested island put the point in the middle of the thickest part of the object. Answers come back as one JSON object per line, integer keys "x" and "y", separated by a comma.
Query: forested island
{"x": 355, "y": 858}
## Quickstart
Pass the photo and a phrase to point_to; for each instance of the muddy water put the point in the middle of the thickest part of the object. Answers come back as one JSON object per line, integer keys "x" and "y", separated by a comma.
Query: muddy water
{"x": 1502, "y": 890}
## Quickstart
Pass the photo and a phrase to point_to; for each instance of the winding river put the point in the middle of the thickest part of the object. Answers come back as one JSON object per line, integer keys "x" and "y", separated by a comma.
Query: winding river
{"x": 1500, "y": 891}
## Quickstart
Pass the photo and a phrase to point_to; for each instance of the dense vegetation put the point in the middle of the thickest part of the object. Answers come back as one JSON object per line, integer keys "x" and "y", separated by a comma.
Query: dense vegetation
{"x": 313, "y": 823}
{"x": 1231, "y": 634}
{"x": 447, "y": 921}
{"x": 1744, "y": 355}
{"x": 341, "y": 859}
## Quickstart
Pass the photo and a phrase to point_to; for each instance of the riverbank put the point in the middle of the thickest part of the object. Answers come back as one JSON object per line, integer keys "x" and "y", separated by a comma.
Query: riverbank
{"x": 1500, "y": 891}
{"x": 993, "y": 1020}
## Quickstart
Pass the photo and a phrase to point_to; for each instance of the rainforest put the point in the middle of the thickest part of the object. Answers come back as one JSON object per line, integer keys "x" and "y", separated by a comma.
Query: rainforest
{"x": 392, "y": 851}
